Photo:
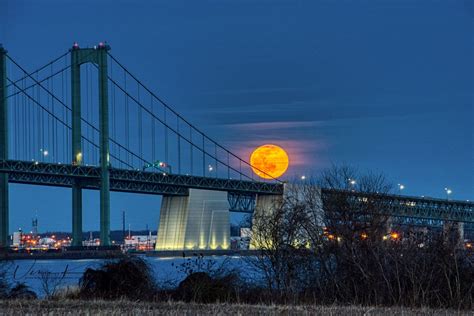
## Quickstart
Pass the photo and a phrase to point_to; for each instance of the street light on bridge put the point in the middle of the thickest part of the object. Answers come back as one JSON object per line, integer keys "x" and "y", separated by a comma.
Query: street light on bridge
{"x": 400, "y": 188}
{"x": 352, "y": 182}
{"x": 448, "y": 192}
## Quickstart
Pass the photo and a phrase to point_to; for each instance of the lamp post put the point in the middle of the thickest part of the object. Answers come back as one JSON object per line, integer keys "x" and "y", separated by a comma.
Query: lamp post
{"x": 400, "y": 188}
{"x": 448, "y": 192}
{"x": 352, "y": 182}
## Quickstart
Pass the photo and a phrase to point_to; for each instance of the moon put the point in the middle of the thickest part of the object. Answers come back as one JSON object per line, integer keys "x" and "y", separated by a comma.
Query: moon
{"x": 269, "y": 161}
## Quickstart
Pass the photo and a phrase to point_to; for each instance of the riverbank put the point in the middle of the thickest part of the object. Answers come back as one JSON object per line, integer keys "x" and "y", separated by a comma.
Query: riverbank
{"x": 78, "y": 307}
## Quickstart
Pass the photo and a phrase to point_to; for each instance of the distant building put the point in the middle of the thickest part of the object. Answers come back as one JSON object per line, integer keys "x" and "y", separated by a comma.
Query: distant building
{"x": 17, "y": 239}
{"x": 140, "y": 242}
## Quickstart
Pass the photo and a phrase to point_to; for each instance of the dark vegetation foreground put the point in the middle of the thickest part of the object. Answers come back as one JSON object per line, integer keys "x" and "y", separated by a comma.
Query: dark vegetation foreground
{"x": 122, "y": 307}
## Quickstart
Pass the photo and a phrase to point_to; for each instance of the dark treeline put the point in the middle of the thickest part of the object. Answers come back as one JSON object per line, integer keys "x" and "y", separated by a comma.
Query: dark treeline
{"x": 351, "y": 252}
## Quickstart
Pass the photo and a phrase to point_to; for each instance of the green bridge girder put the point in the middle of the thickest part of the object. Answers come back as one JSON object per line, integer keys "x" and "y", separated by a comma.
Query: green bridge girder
{"x": 171, "y": 184}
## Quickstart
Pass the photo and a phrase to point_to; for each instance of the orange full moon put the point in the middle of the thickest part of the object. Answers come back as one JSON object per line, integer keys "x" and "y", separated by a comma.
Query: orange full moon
{"x": 271, "y": 159}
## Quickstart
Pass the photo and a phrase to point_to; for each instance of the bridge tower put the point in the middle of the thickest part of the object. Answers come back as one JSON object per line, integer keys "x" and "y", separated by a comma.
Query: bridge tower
{"x": 3, "y": 150}
{"x": 98, "y": 56}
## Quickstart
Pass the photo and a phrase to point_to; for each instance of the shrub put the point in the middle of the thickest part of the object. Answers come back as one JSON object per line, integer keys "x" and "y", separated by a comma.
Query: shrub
{"x": 127, "y": 278}
{"x": 201, "y": 287}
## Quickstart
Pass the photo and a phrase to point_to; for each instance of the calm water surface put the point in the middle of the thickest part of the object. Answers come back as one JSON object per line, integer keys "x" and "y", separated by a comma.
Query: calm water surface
{"x": 168, "y": 272}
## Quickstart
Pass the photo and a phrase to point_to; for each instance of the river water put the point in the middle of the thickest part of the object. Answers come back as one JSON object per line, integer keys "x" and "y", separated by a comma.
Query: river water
{"x": 43, "y": 276}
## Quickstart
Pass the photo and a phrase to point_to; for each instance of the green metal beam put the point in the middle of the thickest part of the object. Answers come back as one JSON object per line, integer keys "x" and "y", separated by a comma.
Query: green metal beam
{"x": 104, "y": 146}
{"x": 4, "y": 242}
{"x": 98, "y": 56}
{"x": 76, "y": 145}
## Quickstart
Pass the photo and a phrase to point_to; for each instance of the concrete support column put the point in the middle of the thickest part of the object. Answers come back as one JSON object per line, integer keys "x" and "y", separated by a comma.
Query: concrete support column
{"x": 197, "y": 221}
{"x": 104, "y": 147}
{"x": 265, "y": 205}
{"x": 453, "y": 233}
{"x": 4, "y": 218}
{"x": 76, "y": 145}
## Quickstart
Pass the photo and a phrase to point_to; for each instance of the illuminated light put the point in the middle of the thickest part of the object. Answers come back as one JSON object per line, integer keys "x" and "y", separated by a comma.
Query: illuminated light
{"x": 36, "y": 162}
{"x": 75, "y": 45}
{"x": 79, "y": 157}
{"x": 269, "y": 161}
{"x": 303, "y": 177}
{"x": 331, "y": 237}
{"x": 364, "y": 236}
{"x": 385, "y": 237}
{"x": 395, "y": 235}
{"x": 101, "y": 44}
{"x": 468, "y": 245}
{"x": 210, "y": 168}
{"x": 339, "y": 238}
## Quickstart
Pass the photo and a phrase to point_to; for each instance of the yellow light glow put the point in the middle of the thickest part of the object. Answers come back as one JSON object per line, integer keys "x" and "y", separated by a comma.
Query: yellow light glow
{"x": 271, "y": 159}
{"x": 79, "y": 158}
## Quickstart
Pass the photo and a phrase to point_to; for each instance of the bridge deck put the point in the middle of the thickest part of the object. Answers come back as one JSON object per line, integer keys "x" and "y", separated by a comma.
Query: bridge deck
{"x": 30, "y": 172}
{"x": 406, "y": 206}
{"x": 138, "y": 181}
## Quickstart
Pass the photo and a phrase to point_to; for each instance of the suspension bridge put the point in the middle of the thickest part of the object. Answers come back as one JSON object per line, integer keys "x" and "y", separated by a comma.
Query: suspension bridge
{"x": 84, "y": 121}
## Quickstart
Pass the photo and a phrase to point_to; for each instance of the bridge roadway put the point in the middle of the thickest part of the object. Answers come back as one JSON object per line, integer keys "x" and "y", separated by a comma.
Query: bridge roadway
{"x": 413, "y": 210}
{"x": 123, "y": 180}
{"x": 137, "y": 181}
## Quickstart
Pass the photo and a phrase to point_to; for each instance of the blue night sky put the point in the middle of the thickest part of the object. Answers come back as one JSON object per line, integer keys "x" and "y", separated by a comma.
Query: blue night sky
{"x": 383, "y": 85}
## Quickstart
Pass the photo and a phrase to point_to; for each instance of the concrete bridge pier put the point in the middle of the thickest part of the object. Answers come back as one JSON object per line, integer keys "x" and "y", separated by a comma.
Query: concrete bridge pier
{"x": 265, "y": 204}
{"x": 453, "y": 233}
{"x": 199, "y": 221}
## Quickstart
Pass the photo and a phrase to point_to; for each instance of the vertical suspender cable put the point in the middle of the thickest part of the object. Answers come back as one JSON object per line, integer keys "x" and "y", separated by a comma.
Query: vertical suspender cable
{"x": 203, "y": 156}
{"x": 23, "y": 124}
{"x": 63, "y": 156}
{"x": 40, "y": 125}
{"x": 179, "y": 145}
{"x": 67, "y": 117}
{"x": 140, "y": 127}
{"x": 191, "y": 149}
{"x": 152, "y": 131}
{"x": 15, "y": 110}
{"x": 87, "y": 156}
{"x": 127, "y": 140}
{"x": 166, "y": 137}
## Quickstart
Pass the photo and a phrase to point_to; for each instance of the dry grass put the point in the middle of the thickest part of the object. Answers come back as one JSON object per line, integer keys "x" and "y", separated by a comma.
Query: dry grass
{"x": 76, "y": 307}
